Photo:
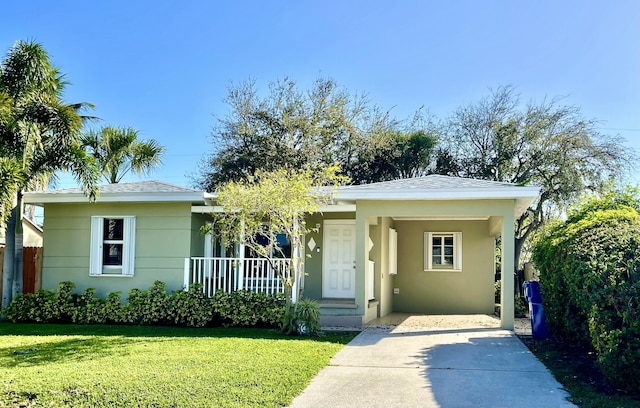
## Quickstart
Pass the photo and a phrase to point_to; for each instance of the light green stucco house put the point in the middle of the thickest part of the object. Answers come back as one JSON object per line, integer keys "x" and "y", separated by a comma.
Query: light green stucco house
{"x": 422, "y": 245}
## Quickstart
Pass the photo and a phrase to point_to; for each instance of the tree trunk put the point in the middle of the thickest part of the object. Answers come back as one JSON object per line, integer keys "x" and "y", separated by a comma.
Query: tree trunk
{"x": 519, "y": 243}
{"x": 17, "y": 265}
{"x": 9, "y": 259}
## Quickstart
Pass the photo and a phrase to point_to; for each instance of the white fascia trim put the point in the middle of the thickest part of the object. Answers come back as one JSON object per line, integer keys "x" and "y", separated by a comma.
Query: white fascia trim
{"x": 440, "y": 194}
{"x": 44, "y": 198}
{"x": 330, "y": 208}
{"x": 443, "y": 218}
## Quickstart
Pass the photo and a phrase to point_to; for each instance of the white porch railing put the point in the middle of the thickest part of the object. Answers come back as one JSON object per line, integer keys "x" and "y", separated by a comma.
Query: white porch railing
{"x": 232, "y": 274}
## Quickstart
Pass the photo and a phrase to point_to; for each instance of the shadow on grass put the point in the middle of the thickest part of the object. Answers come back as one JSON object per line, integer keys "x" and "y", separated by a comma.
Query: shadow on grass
{"x": 68, "y": 349}
{"x": 101, "y": 340}
{"x": 26, "y": 329}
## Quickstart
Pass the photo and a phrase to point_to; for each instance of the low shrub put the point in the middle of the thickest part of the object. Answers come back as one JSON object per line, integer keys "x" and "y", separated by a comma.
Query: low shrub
{"x": 44, "y": 306}
{"x": 39, "y": 307}
{"x": 245, "y": 308}
{"x": 307, "y": 317}
{"x": 92, "y": 310}
{"x": 191, "y": 308}
{"x": 150, "y": 307}
{"x": 520, "y": 306}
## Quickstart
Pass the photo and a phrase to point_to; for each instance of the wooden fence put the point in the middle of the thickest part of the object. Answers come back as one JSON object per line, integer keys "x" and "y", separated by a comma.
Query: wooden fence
{"x": 31, "y": 269}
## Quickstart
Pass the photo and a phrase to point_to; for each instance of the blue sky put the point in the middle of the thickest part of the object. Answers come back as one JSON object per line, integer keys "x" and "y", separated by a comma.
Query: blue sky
{"x": 164, "y": 67}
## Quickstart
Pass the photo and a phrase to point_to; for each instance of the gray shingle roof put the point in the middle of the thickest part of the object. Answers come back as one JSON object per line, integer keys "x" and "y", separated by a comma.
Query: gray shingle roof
{"x": 140, "y": 191}
{"x": 151, "y": 186}
{"x": 430, "y": 182}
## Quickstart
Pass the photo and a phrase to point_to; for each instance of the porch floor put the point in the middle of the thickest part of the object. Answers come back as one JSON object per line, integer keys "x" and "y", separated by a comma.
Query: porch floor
{"x": 522, "y": 325}
{"x": 334, "y": 303}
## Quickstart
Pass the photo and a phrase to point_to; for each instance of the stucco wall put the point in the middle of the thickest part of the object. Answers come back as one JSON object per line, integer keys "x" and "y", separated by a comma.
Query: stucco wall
{"x": 163, "y": 235}
{"x": 383, "y": 282}
{"x": 197, "y": 238}
{"x": 32, "y": 235}
{"x": 446, "y": 292}
{"x": 386, "y": 280}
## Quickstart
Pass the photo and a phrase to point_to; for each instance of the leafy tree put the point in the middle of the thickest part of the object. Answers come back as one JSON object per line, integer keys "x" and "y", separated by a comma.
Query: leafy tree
{"x": 545, "y": 144}
{"x": 258, "y": 209}
{"x": 118, "y": 151}
{"x": 39, "y": 135}
{"x": 290, "y": 129}
{"x": 394, "y": 155}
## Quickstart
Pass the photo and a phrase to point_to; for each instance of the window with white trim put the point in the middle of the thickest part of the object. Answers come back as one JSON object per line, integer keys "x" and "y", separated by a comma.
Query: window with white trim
{"x": 112, "y": 246}
{"x": 443, "y": 251}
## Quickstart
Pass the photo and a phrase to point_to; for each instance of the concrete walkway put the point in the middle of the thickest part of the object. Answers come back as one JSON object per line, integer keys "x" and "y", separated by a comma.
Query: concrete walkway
{"x": 434, "y": 361}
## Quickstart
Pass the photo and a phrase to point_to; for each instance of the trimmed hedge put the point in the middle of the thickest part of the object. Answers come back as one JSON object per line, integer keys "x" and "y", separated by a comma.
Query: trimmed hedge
{"x": 590, "y": 278}
{"x": 149, "y": 307}
{"x": 245, "y": 308}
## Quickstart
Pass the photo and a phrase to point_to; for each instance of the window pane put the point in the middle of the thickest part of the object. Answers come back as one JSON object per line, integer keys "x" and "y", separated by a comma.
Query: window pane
{"x": 113, "y": 229}
{"x": 437, "y": 261}
{"x": 448, "y": 241}
{"x": 112, "y": 254}
{"x": 448, "y": 260}
{"x": 436, "y": 251}
{"x": 448, "y": 250}
{"x": 437, "y": 241}
{"x": 284, "y": 243}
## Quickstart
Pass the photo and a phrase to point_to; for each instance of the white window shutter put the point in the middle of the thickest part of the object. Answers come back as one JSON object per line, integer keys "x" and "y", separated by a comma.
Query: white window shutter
{"x": 128, "y": 249}
{"x": 393, "y": 251}
{"x": 457, "y": 245}
{"x": 95, "y": 254}
{"x": 430, "y": 252}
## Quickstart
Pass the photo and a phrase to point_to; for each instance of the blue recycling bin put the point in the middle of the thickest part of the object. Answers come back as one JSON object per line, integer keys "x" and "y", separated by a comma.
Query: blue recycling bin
{"x": 533, "y": 296}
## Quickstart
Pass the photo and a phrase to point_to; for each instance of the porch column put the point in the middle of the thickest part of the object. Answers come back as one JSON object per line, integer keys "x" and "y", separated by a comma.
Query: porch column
{"x": 508, "y": 254}
{"x": 240, "y": 284}
{"x": 362, "y": 258}
{"x": 187, "y": 264}
{"x": 296, "y": 269}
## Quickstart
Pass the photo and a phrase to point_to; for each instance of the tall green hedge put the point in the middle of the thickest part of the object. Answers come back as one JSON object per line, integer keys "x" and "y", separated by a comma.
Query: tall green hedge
{"x": 590, "y": 278}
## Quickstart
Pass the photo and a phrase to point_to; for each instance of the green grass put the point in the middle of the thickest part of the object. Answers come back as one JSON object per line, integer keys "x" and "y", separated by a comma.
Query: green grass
{"x": 100, "y": 366}
{"x": 575, "y": 368}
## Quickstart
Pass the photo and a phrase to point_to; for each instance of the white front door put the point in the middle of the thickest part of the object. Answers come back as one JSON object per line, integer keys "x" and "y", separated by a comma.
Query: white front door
{"x": 338, "y": 260}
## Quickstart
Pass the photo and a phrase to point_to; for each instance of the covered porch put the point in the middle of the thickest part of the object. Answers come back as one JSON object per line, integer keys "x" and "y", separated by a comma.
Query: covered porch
{"x": 230, "y": 274}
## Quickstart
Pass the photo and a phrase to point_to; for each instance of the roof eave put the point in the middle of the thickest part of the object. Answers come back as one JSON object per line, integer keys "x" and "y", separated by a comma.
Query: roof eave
{"x": 439, "y": 194}
{"x": 46, "y": 198}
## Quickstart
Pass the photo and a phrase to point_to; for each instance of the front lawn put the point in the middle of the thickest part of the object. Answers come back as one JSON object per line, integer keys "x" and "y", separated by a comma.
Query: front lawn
{"x": 98, "y": 366}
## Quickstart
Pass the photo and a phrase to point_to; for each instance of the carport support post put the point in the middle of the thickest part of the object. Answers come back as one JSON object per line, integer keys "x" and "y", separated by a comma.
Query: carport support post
{"x": 362, "y": 256}
{"x": 507, "y": 261}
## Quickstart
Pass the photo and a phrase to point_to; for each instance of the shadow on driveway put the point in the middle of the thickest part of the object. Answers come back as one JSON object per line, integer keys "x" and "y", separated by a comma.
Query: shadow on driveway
{"x": 410, "y": 366}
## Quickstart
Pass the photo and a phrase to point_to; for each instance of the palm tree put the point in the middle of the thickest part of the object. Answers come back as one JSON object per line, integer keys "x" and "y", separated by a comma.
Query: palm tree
{"x": 39, "y": 135}
{"x": 11, "y": 177}
{"x": 118, "y": 151}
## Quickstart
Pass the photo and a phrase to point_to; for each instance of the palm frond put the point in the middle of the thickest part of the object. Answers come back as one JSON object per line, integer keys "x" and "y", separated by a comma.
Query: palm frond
{"x": 12, "y": 178}
{"x": 119, "y": 151}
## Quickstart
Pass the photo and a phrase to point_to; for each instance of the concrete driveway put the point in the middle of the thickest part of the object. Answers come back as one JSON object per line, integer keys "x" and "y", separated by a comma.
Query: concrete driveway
{"x": 434, "y": 361}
